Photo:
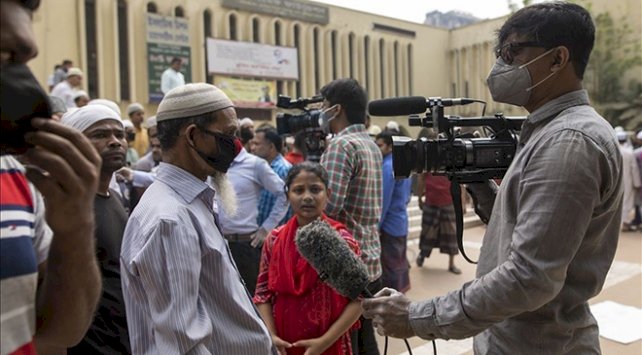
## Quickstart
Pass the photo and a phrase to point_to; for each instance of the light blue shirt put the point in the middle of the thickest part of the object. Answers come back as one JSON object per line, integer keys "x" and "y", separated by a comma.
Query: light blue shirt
{"x": 183, "y": 294}
{"x": 249, "y": 175}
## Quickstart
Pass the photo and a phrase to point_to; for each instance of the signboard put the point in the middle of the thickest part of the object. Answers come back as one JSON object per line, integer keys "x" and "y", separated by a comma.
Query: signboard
{"x": 293, "y": 9}
{"x": 167, "y": 37}
{"x": 252, "y": 59}
{"x": 247, "y": 93}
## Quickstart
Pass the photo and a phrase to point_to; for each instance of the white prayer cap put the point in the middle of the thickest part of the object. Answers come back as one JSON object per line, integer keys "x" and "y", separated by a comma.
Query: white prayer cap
{"x": 74, "y": 71}
{"x": 86, "y": 116}
{"x": 639, "y": 136}
{"x": 373, "y": 130}
{"x": 108, "y": 103}
{"x": 128, "y": 124}
{"x": 246, "y": 121}
{"x": 80, "y": 93}
{"x": 393, "y": 126}
{"x": 621, "y": 135}
{"x": 151, "y": 122}
{"x": 135, "y": 107}
{"x": 192, "y": 100}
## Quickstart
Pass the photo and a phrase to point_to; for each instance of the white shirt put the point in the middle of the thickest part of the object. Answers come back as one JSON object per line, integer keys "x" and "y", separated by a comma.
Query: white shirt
{"x": 64, "y": 91}
{"x": 171, "y": 79}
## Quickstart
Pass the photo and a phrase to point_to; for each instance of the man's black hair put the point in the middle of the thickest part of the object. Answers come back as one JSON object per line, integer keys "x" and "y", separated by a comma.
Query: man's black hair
{"x": 168, "y": 131}
{"x": 350, "y": 95}
{"x": 272, "y": 136}
{"x": 386, "y": 136}
{"x": 67, "y": 61}
{"x": 176, "y": 60}
{"x": 555, "y": 24}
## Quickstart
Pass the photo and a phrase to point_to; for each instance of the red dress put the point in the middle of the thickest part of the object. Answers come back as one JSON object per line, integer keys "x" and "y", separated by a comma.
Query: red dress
{"x": 303, "y": 306}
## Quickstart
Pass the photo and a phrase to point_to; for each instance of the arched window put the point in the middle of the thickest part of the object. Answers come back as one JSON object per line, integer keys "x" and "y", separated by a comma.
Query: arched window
{"x": 297, "y": 35}
{"x": 410, "y": 69}
{"x": 179, "y": 12}
{"x": 207, "y": 32}
{"x": 91, "y": 48}
{"x": 151, "y": 8}
{"x": 123, "y": 47}
{"x": 395, "y": 61}
{"x": 382, "y": 66}
{"x": 233, "y": 29}
{"x": 256, "y": 30}
{"x": 277, "y": 33}
{"x": 333, "y": 45}
{"x": 351, "y": 54}
{"x": 315, "y": 50}
{"x": 366, "y": 60}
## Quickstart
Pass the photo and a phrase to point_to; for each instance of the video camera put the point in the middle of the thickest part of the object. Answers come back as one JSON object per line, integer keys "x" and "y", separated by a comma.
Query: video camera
{"x": 307, "y": 121}
{"x": 463, "y": 158}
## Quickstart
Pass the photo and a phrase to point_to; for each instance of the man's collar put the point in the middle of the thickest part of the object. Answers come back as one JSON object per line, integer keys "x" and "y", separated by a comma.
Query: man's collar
{"x": 559, "y": 104}
{"x": 353, "y": 128}
{"x": 183, "y": 182}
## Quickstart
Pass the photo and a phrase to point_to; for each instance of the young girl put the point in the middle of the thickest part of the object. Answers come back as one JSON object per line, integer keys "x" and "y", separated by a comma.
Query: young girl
{"x": 303, "y": 314}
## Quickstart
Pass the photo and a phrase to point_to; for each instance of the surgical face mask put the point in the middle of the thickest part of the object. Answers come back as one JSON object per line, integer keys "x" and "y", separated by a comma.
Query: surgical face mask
{"x": 325, "y": 117}
{"x": 512, "y": 84}
{"x": 22, "y": 99}
{"x": 228, "y": 149}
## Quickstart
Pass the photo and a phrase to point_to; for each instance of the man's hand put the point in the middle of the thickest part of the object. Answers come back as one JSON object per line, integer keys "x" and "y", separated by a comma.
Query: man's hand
{"x": 65, "y": 168}
{"x": 389, "y": 313}
{"x": 258, "y": 238}
{"x": 124, "y": 174}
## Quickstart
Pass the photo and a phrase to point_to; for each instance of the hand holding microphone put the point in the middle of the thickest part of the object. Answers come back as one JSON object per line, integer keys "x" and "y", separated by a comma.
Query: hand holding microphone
{"x": 389, "y": 310}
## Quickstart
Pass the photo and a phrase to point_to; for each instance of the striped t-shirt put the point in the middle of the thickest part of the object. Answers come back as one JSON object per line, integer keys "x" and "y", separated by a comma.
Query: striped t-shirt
{"x": 24, "y": 244}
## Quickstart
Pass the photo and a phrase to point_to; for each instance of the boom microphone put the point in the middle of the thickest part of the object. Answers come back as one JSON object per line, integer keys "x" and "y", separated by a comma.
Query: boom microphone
{"x": 329, "y": 254}
{"x": 403, "y": 106}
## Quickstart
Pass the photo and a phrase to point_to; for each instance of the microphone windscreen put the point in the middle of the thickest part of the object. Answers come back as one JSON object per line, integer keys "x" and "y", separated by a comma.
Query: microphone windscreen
{"x": 398, "y": 106}
{"x": 329, "y": 254}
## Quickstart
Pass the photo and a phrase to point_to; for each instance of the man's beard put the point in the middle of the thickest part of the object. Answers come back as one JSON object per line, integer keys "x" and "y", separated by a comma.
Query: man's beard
{"x": 226, "y": 194}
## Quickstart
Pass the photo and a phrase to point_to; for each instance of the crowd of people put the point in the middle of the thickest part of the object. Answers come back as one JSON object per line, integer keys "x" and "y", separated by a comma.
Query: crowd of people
{"x": 176, "y": 233}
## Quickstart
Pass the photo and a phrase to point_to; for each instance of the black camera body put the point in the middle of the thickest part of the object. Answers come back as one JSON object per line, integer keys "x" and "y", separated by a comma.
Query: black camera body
{"x": 307, "y": 121}
{"x": 464, "y": 158}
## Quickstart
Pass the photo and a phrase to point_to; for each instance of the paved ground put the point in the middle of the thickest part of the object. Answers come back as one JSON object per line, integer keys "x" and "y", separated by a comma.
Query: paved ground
{"x": 623, "y": 285}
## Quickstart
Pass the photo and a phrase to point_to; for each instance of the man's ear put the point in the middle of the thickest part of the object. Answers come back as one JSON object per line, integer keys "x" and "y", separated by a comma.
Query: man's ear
{"x": 561, "y": 58}
{"x": 189, "y": 133}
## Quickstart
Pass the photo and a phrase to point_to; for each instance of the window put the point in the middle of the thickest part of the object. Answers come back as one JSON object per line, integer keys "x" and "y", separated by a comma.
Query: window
{"x": 382, "y": 66}
{"x": 410, "y": 69}
{"x": 207, "y": 32}
{"x": 123, "y": 47}
{"x": 366, "y": 61}
{"x": 333, "y": 44}
{"x": 297, "y": 35}
{"x": 396, "y": 67}
{"x": 179, "y": 12}
{"x": 277, "y": 33}
{"x": 351, "y": 54}
{"x": 151, "y": 8}
{"x": 256, "y": 30}
{"x": 92, "y": 48}
{"x": 315, "y": 53}
{"x": 233, "y": 33}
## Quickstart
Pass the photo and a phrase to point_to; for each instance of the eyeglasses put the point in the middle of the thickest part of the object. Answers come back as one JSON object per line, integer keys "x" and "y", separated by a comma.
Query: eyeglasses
{"x": 509, "y": 51}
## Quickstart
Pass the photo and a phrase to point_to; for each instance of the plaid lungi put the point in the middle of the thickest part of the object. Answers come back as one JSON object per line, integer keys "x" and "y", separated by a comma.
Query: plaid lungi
{"x": 394, "y": 263}
{"x": 438, "y": 230}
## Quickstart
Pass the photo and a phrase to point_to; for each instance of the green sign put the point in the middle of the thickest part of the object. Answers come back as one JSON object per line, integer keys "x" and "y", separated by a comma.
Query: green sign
{"x": 167, "y": 37}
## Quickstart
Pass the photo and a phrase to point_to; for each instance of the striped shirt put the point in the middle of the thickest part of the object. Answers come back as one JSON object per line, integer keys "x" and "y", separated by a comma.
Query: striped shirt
{"x": 24, "y": 244}
{"x": 182, "y": 291}
{"x": 266, "y": 202}
{"x": 353, "y": 162}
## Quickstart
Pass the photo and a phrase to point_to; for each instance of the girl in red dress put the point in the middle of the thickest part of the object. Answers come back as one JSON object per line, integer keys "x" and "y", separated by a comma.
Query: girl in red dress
{"x": 303, "y": 314}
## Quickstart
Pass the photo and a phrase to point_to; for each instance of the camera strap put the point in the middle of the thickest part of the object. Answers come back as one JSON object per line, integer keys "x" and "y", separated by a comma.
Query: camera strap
{"x": 455, "y": 192}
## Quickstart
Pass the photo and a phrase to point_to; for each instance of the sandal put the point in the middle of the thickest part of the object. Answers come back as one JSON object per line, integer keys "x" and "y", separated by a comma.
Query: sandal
{"x": 454, "y": 270}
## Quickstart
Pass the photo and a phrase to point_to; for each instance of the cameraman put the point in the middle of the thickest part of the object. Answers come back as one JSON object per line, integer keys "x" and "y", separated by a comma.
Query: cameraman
{"x": 554, "y": 227}
{"x": 353, "y": 162}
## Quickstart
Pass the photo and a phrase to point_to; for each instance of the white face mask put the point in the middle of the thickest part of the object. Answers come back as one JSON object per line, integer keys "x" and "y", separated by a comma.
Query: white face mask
{"x": 325, "y": 118}
{"x": 512, "y": 84}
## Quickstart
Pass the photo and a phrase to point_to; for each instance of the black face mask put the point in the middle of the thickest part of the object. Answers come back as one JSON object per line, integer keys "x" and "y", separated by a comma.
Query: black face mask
{"x": 21, "y": 99}
{"x": 246, "y": 134}
{"x": 226, "y": 151}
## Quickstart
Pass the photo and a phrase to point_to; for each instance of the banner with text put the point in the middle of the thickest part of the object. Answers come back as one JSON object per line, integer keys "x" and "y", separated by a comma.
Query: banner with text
{"x": 247, "y": 93}
{"x": 252, "y": 59}
{"x": 167, "y": 37}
